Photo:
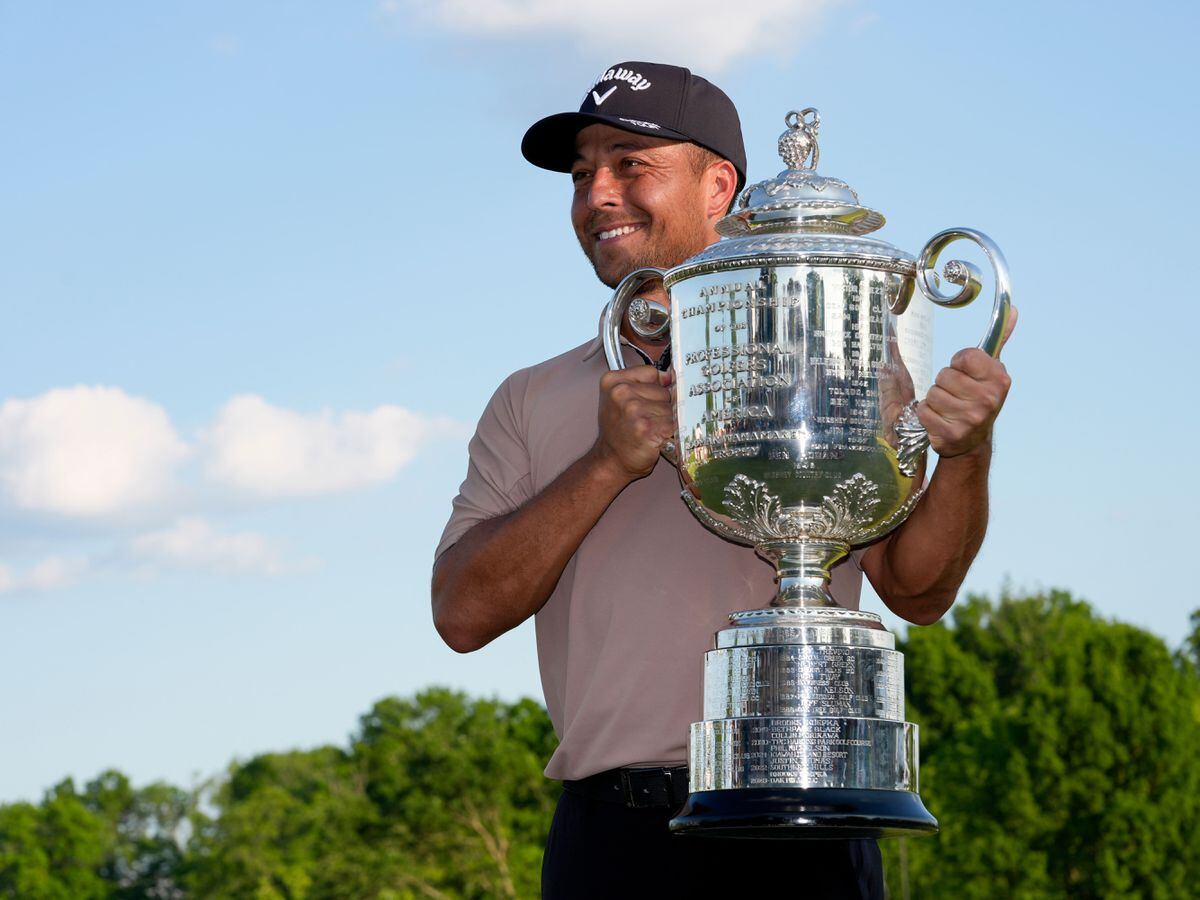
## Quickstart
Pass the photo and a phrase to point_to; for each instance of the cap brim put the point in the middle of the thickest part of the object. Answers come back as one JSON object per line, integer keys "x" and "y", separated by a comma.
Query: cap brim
{"x": 550, "y": 143}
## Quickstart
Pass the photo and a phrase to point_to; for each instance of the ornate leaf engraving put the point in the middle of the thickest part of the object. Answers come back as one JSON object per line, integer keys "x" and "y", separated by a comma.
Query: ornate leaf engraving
{"x": 913, "y": 439}
{"x": 843, "y": 516}
{"x": 749, "y": 502}
{"x": 850, "y": 507}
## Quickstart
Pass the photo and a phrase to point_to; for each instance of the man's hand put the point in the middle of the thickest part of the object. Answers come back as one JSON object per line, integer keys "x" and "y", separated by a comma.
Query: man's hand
{"x": 965, "y": 399}
{"x": 636, "y": 418}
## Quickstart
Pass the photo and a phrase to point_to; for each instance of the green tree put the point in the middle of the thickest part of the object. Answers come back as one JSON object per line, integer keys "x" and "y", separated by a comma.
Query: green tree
{"x": 1190, "y": 652}
{"x": 147, "y": 828}
{"x": 439, "y": 796}
{"x": 290, "y": 825}
{"x": 458, "y": 783}
{"x": 56, "y": 850}
{"x": 1057, "y": 750}
{"x": 109, "y": 841}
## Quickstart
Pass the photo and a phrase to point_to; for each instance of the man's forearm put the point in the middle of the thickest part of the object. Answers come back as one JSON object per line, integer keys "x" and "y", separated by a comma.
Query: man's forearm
{"x": 926, "y": 559}
{"x": 504, "y": 569}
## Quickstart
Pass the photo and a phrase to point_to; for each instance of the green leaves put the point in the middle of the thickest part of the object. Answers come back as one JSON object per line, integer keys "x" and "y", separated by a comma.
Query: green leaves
{"x": 438, "y": 796}
{"x": 1057, "y": 750}
{"x": 109, "y": 841}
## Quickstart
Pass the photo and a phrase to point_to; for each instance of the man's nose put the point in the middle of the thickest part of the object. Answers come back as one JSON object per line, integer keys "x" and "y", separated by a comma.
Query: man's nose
{"x": 605, "y": 189}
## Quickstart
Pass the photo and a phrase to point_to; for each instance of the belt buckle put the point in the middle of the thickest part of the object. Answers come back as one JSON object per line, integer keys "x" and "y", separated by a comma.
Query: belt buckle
{"x": 635, "y": 780}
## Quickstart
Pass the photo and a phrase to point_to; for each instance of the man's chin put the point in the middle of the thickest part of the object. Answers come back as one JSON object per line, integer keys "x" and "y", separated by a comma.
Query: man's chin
{"x": 608, "y": 280}
{"x": 612, "y": 275}
{"x": 612, "y": 271}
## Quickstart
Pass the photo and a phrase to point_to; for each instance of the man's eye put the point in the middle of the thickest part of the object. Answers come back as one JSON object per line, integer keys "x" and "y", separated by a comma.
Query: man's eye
{"x": 631, "y": 163}
{"x": 578, "y": 176}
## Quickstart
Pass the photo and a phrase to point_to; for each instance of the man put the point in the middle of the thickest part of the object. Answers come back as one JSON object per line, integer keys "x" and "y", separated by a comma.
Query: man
{"x": 568, "y": 514}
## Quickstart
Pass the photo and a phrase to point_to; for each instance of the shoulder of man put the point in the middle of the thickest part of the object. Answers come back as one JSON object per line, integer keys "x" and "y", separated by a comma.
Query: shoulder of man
{"x": 568, "y": 365}
{"x": 499, "y": 465}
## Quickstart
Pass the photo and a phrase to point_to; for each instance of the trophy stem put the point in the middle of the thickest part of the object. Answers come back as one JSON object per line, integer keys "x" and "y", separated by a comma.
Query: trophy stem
{"x": 802, "y": 571}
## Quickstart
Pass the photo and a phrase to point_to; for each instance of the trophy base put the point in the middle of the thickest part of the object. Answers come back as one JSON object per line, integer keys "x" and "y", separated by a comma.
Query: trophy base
{"x": 803, "y": 813}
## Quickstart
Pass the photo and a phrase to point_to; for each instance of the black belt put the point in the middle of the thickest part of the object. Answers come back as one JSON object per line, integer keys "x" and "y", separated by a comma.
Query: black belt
{"x": 661, "y": 786}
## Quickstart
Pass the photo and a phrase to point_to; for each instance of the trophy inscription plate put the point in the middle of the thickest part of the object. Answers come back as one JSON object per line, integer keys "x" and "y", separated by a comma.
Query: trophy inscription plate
{"x": 794, "y": 680}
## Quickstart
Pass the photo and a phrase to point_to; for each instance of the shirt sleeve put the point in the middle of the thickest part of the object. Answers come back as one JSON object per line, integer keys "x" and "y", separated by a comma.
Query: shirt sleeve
{"x": 498, "y": 467}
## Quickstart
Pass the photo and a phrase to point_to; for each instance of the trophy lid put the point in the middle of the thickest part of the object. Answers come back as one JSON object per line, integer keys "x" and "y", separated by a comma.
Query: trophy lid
{"x": 798, "y": 199}
{"x": 799, "y": 215}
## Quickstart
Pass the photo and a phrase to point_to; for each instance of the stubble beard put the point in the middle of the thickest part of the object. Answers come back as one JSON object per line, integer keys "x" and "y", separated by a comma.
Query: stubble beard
{"x": 647, "y": 257}
{"x": 613, "y": 275}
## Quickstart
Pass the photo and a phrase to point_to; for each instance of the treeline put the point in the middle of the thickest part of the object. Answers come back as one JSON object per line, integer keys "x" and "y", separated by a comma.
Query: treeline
{"x": 1058, "y": 751}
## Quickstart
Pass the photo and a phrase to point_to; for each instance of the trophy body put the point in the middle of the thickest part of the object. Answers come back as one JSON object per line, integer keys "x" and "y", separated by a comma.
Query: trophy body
{"x": 798, "y": 359}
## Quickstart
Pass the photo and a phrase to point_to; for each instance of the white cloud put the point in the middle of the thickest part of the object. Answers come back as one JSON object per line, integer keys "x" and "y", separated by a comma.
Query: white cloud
{"x": 708, "y": 33}
{"x": 55, "y": 572}
{"x": 52, "y": 572}
{"x": 86, "y": 451}
{"x": 274, "y": 452}
{"x": 192, "y": 543}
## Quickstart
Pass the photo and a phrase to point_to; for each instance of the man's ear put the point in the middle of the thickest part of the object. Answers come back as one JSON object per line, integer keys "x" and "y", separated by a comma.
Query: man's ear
{"x": 721, "y": 180}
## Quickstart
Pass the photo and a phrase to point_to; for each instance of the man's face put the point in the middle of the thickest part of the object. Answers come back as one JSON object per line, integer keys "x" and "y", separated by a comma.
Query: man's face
{"x": 638, "y": 202}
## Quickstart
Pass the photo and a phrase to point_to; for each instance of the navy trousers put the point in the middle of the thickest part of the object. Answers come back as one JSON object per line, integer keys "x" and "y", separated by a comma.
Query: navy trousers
{"x": 602, "y": 849}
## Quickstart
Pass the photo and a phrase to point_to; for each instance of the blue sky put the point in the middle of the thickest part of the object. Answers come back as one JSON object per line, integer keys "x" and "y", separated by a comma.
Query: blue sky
{"x": 262, "y": 265}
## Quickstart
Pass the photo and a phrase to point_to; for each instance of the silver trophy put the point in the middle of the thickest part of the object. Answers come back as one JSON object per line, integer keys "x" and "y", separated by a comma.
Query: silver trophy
{"x": 799, "y": 356}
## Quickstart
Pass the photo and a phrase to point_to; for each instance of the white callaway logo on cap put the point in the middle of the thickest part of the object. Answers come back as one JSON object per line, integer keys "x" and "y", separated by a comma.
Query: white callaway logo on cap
{"x": 600, "y": 98}
{"x": 636, "y": 81}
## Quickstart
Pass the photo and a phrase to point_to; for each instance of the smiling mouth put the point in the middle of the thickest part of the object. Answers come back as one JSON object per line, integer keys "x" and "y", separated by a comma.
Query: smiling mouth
{"x": 613, "y": 233}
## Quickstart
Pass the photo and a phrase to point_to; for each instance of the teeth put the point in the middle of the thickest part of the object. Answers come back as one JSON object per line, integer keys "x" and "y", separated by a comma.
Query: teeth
{"x": 605, "y": 235}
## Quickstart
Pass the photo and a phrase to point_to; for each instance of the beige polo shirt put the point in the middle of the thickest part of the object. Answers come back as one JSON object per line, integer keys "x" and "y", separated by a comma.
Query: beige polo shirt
{"x": 621, "y": 640}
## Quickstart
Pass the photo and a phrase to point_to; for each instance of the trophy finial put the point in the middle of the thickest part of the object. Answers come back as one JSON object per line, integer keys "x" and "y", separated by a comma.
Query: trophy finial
{"x": 800, "y": 140}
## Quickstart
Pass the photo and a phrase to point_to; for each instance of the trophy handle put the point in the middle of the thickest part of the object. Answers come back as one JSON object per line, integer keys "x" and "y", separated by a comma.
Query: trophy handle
{"x": 967, "y": 276}
{"x": 648, "y": 318}
{"x": 913, "y": 438}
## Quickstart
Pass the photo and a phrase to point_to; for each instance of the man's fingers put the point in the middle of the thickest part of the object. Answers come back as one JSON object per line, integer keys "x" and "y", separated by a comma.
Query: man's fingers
{"x": 943, "y": 404}
{"x": 957, "y": 383}
{"x": 941, "y": 410}
{"x": 632, "y": 375}
{"x": 974, "y": 362}
{"x": 625, "y": 391}
{"x": 646, "y": 409}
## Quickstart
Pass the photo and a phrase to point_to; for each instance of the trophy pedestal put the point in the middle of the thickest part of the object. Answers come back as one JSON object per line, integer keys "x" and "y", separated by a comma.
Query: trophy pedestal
{"x": 803, "y": 733}
{"x": 789, "y": 813}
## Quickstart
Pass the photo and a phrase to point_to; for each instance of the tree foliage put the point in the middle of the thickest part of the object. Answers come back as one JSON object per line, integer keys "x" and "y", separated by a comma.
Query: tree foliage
{"x": 109, "y": 841}
{"x": 437, "y": 796}
{"x": 1056, "y": 749}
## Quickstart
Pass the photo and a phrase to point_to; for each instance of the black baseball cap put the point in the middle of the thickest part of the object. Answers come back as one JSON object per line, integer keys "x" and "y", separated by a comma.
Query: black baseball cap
{"x": 645, "y": 98}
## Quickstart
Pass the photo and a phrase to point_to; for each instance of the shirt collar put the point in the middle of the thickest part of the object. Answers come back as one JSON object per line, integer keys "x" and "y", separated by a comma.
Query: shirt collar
{"x": 596, "y": 345}
{"x": 593, "y": 348}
